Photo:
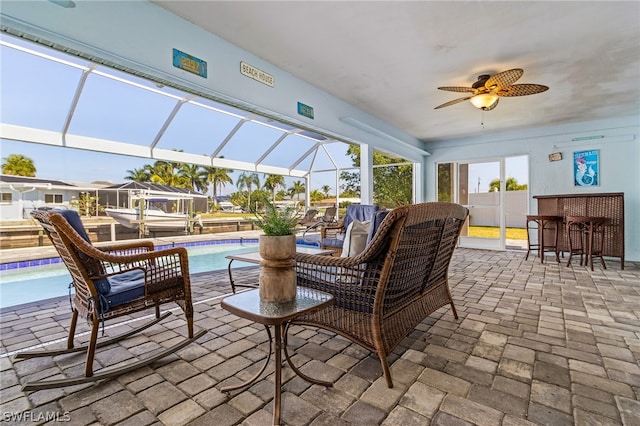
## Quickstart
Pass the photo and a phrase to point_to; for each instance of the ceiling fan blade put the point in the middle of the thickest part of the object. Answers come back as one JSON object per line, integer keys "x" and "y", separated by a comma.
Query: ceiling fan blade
{"x": 453, "y": 102}
{"x": 522, "y": 90}
{"x": 458, "y": 89}
{"x": 503, "y": 79}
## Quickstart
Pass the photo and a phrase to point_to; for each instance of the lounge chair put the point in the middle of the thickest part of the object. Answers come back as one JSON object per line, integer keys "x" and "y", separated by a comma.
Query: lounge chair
{"x": 329, "y": 216}
{"x": 111, "y": 282}
{"x": 309, "y": 218}
{"x": 401, "y": 277}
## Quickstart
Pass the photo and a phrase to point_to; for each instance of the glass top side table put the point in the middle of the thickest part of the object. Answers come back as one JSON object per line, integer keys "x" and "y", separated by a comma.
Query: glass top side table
{"x": 249, "y": 306}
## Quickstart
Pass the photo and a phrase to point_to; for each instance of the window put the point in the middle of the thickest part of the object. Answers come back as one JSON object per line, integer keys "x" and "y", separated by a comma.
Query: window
{"x": 53, "y": 198}
{"x": 6, "y": 197}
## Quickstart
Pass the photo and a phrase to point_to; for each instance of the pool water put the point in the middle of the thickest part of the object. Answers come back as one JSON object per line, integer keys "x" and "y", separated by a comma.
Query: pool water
{"x": 24, "y": 285}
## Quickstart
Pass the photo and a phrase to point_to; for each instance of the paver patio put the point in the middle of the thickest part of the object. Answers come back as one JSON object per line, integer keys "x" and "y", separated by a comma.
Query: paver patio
{"x": 535, "y": 344}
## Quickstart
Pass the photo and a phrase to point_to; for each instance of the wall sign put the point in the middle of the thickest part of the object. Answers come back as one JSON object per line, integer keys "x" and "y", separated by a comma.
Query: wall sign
{"x": 189, "y": 63}
{"x": 586, "y": 168}
{"x": 256, "y": 74}
{"x": 587, "y": 138}
{"x": 305, "y": 110}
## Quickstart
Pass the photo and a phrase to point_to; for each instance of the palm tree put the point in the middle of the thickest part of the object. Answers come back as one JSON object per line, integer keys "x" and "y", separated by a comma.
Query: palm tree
{"x": 297, "y": 189}
{"x": 325, "y": 190}
{"x": 247, "y": 180}
{"x": 511, "y": 184}
{"x": 166, "y": 173}
{"x": 196, "y": 176}
{"x": 138, "y": 175}
{"x": 316, "y": 195}
{"x": 217, "y": 177}
{"x": 272, "y": 182}
{"x": 18, "y": 165}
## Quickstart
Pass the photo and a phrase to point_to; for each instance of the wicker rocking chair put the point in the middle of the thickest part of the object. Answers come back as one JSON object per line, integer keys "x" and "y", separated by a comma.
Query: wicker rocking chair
{"x": 111, "y": 282}
{"x": 383, "y": 293}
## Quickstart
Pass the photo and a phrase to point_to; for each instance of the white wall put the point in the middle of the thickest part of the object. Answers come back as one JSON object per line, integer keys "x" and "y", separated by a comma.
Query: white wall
{"x": 22, "y": 204}
{"x": 619, "y": 162}
{"x": 485, "y": 209}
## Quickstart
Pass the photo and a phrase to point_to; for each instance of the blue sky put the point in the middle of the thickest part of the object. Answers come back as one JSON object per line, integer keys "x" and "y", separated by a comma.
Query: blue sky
{"x": 40, "y": 91}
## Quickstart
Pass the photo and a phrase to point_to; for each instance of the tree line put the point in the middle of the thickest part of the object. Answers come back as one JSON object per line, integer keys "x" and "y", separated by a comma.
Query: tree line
{"x": 392, "y": 185}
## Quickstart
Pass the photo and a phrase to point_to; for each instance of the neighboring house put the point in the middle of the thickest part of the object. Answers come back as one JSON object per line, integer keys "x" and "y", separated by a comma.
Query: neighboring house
{"x": 20, "y": 195}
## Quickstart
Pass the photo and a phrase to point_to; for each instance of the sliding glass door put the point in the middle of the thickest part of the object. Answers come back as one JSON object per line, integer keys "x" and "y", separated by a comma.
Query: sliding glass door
{"x": 482, "y": 187}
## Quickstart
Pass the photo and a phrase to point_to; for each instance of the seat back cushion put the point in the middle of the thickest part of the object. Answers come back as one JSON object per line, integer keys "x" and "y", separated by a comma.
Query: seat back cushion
{"x": 361, "y": 212}
{"x": 73, "y": 218}
{"x": 375, "y": 224}
{"x": 355, "y": 238}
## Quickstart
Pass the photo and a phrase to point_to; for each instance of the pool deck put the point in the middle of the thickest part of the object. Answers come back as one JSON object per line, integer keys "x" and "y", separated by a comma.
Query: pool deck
{"x": 535, "y": 344}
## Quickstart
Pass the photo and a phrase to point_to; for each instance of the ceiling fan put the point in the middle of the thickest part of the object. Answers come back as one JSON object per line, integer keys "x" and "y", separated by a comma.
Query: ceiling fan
{"x": 489, "y": 88}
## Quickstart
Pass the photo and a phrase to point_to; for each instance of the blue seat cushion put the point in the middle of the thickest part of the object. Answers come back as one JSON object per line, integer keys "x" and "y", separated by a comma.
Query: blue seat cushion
{"x": 124, "y": 288}
{"x": 333, "y": 242}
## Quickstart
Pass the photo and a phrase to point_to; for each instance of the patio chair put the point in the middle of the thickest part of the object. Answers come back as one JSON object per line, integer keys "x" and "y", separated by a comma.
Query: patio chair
{"x": 309, "y": 218}
{"x": 332, "y": 237}
{"x": 401, "y": 277}
{"x": 111, "y": 282}
{"x": 329, "y": 218}
{"x": 329, "y": 215}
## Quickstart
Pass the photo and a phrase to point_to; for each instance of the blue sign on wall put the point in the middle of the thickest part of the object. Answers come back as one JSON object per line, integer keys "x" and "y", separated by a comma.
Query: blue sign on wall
{"x": 305, "y": 110}
{"x": 189, "y": 63}
{"x": 586, "y": 168}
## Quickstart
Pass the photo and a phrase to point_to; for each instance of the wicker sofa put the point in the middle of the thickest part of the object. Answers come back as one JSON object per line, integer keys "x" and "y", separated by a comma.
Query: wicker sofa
{"x": 400, "y": 278}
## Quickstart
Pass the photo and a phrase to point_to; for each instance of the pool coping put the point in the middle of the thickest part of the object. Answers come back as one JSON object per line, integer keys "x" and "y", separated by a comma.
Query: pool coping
{"x": 47, "y": 255}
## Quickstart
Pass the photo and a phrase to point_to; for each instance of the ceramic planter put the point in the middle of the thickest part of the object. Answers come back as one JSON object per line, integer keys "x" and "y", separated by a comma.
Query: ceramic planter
{"x": 278, "y": 274}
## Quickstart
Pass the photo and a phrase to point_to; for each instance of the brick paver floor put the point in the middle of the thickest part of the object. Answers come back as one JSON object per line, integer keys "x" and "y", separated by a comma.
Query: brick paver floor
{"x": 535, "y": 344}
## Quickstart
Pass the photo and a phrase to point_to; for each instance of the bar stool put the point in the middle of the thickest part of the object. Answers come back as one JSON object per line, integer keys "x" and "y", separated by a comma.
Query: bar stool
{"x": 543, "y": 223}
{"x": 589, "y": 233}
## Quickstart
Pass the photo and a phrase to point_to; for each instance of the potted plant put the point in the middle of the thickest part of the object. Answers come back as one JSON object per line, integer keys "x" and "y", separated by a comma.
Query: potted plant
{"x": 277, "y": 248}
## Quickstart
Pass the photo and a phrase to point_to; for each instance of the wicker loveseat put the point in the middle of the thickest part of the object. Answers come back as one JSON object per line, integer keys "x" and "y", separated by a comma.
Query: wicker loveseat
{"x": 400, "y": 278}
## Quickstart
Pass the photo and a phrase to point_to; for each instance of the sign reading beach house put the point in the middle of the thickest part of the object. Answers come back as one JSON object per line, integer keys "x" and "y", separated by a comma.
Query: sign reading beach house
{"x": 256, "y": 74}
{"x": 189, "y": 63}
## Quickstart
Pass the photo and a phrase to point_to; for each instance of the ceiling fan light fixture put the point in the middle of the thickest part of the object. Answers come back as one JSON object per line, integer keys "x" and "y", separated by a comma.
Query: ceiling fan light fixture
{"x": 484, "y": 101}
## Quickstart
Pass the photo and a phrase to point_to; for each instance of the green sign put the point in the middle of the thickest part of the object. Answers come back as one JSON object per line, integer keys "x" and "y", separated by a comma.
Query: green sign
{"x": 189, "y": 63}
{"x": 305, "y": 110}
{"x": 587, "y": 138}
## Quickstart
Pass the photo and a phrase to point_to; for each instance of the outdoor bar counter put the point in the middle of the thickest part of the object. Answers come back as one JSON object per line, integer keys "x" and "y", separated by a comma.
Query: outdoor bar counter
{"x": 607, "y": 205}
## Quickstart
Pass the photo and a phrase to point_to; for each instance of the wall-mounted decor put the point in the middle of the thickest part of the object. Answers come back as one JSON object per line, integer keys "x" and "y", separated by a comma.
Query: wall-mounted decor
{"x": 586, "y": 168}
{"x": 189, "y": 63}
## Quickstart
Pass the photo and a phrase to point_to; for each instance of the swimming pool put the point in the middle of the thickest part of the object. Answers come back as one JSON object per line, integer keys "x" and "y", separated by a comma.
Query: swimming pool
{"x": 30, "y": 284}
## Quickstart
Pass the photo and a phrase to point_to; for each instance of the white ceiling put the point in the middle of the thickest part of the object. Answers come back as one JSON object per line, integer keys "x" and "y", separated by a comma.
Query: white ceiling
{"x": 388, "y": 58}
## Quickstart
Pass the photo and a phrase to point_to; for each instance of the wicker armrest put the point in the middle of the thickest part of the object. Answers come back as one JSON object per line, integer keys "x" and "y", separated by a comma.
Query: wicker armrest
{"x": 129, "y": 247}
{"x": 351, "y": 280}
{"x": 166, "y": 263}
